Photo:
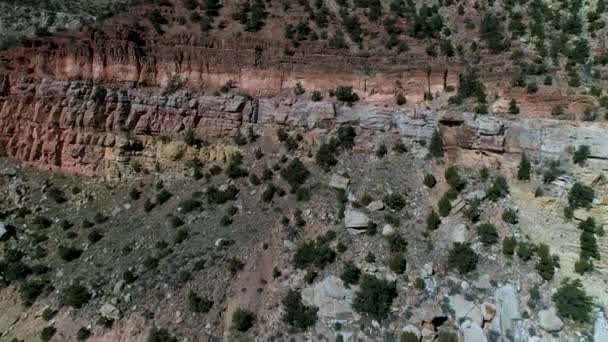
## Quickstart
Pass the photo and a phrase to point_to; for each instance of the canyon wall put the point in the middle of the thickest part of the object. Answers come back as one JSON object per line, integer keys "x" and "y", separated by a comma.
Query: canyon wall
{"x": 86, "y": 128}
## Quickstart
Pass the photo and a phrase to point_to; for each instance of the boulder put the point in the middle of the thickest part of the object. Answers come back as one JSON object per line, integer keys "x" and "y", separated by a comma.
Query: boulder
{"x": 375, "y": 206}
{"x": 507, "y": 309}
{"x": 488, "y": 310}
{"x": 472, "y": 332}
{"x": 109, "y": 311}
{"x": 412, "y": 329}
{"x": 548, "y": 320}
{"x": 355, "y": 219}
{"x": 600, "y": 326}
{"x": 483, "y": 282}
{"x": 461, "y": 306}
{"x": 459, "y": 234}
{"x": 338, "y": 182}
{"x": 332, "y": 298}
{"x": 388, "y": 230}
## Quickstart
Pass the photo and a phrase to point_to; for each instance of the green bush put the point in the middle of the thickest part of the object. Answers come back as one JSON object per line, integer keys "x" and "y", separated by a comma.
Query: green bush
{"x": 432, "y": 221}
{"x": 581, "y": 196}
{"x": 498, "y": 189}
{"x": 198, "y": 304}
{"x": 31, "y": 290}
{"x": 394, "y": 201}
{"x": 75, "y": 296}
{"x": 454, "y": 180}
{"x": 83, "y": 334}
{"x": 400, "y": 99}
{"x": 487, "y": 234}
{"x": 408, "y": 336}
{"x": 581, "y": 155}
{"x": 47, "y": 333}
{"x": 396, "y": 243}
{"x": 581, "y": 266}
{"x": 316, "y": 96}
{"x": 513, "y": 108}
{"x": 350, "y": 274}
{"x": 346, "y": 94}
{"x": 381, "y": 151}
{"x": 510, "y": 216}
{"x": 429, "y": 180}
{"x": 56, "y": 195}
{"x": 472, "y": 212}
{"x": 462, "y": 258}
{"x": 215, "y": 196}
{"x": 314, "y": 253}
{"x": 436, "y": 145}
{"x": 572, "y": 302}
{"x": 444, "y": 207}
{"x": 243, "y": 320}
{"x": 523, "y": 170}
{"x": 374, "y": 297}
{"x": 525, "y": 251}
{"x": 547, "y": 263}
{"x": 397, "y": 263}
{"x": 68, "y": 253}
{"x": 508, "y": 245}
{"x": 234, "y": 169}
{"x": 295, "y": 173}
{"x": 399, "y": 146}
{"x": 297, "y": 314}
{"x": 160, "y": 335}
{"x": 163, "y": 196}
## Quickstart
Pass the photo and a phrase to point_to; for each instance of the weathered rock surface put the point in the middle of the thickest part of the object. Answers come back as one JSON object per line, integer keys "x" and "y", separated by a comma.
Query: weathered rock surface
{"x": 355, "y": 219}
{"x": 600, "y": 326}
{"x": 507, "y": 309}
{"x": 549, "y": 321}
{"x": 332, "y": 298}
{"x": 472, "y": 332}
{"x": 338, "y": 182}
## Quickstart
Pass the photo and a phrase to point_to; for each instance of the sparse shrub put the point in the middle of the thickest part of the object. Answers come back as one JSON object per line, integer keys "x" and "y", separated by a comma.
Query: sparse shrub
{"x": 297, "y": 314}
{"x": 432, "y": 221}
{"x": 572, "y": 302}
{"x": 381, "y": 151}
{"x": 487, "y": 234}
{"x": 462, "y": 258}
{"x": 198, "y": 304}
{"x": 75, "y": 296}
{"x": 394, "y": 201}
{"x": 547, "y": 263}
{"x": 581, "y": 155}
{"x": 346, "y": 94}
{"x": 150, "y": 262}
{"x": 215, "y": 196}
{"x": 31, "y": 290}
{"x": 399, "y": 146}
{"x": 225, "y": 221}
{"x": 128, "y": 277}
{"x": 42, "y": 222}
{"x": 68, "y": 253}
{"x": 484, "y": 173}
{"x": 397, "y": 263}
{"x": 581, "y": 196}
{"x": 374, "y": 297}
{"x": 419, "y": 284}
{"x": 396, "y": 243}
{"x": 149, "y": 205}
{"x": 523, "y": 170}
{"x": 83, "y": 334}
{"x": 513, "y": 108}
{"x": 436, "y": 145}
{"x": 498, "y": 189}
{"x": 295, "y": 173}
{"x": 234, "y": 169}
{"x": 472, "y": 212}
{"x": 408, "y": 336}
{"x": 454, "y": 180}
{"x": 243, "y": 320}
{"x": 47, "y": 333}
{"x": 175, "y": 221}
{"x": 510, "y": 216}
{"x": 56, "y": 195}
{"x": 314, "y": 253}
{"x": 189, "y": 205}
{"x": 444, "y": 207}
{"x": 234, "y": 265}
{"x": 400, "y": 99}
{"x": 350, "y": 274}
{"x": 180, "y": 236}
{"x": 316, "y": 96}
{"x": 160, "y": 335}
{"x": 239, "y": 139}
{"x": 94, "y": 236}
{"x": 524, "y": 251}
{"x": 446, "y": 336}
{"x": 508, "y": 245}
{"x": 163, "y": 196}
{"x": 583, "y": 265}
{"x": 429, "y": 180}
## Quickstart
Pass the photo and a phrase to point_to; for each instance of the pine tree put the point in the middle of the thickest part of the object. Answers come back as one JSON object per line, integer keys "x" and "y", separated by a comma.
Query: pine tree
{"x": 436, "y": 145}
{"x": 523, "y": 171}
{"x": 513, "y": 108}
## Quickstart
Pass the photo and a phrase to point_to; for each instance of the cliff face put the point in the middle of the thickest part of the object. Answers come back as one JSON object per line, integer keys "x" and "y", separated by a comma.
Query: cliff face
{"x": 84, "y": 103}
